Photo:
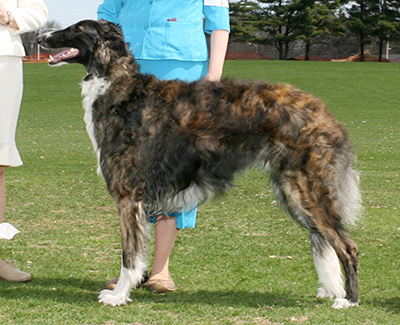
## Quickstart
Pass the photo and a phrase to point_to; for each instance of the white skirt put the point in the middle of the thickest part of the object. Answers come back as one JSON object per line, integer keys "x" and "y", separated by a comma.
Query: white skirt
{"x": 11, "y": 85}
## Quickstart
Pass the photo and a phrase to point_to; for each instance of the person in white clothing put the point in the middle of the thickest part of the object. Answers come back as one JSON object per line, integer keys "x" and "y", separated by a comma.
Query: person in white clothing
{"x": 16, "y": 17}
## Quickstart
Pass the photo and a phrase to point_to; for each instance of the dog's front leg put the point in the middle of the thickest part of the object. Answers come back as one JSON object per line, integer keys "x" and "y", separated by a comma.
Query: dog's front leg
{"x": 134, "y": 234}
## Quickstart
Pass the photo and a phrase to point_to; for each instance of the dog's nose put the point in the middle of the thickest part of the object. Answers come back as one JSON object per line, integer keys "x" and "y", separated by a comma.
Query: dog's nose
{"x": 41, "y": 38}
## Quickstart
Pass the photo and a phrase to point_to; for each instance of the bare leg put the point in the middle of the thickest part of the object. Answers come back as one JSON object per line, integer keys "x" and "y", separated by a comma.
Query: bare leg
{"x": 165, "y": 236}
{"x": 7, "y": 271}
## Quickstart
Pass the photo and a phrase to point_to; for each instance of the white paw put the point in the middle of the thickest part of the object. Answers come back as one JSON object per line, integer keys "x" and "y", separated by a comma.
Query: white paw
{"x": 342, "y": 303}
{"x": 113, "y": 298}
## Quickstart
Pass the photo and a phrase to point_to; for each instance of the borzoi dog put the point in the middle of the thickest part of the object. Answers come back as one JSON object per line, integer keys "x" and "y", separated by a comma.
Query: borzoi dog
{"x": 168, "y": 145}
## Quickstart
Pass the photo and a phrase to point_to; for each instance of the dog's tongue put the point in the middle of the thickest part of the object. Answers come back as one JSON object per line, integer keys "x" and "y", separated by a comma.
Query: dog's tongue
{"x": 64, "y": 55}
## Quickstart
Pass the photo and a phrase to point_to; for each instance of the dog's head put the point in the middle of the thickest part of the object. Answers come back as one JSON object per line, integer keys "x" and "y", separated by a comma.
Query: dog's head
{"x": 95, "y": 44}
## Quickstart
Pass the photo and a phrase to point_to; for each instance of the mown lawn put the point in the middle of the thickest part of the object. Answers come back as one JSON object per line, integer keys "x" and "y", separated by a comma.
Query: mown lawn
{"x": 245, "y": 262}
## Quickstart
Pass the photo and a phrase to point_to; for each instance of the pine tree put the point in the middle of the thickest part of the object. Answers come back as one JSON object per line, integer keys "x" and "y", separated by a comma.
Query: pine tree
{"x": 388, "y": 23}
{"x": 268, "y": 22}
{"x": 362, "y": 19}
{"x": 281, "y": 22}
{"x": 316, "y": 18}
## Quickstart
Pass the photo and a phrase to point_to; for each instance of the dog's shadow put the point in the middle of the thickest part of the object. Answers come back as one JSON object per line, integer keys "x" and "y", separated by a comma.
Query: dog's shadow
{"x": 231, "y": 299}
{"x": 66, "y": 290}
{"x": 391, "y": 305}
{"x": 85, "y": 292}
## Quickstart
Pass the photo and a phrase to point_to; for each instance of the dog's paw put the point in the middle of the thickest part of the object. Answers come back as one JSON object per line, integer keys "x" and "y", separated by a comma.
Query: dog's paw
{"x": 113, "y": 298}
{"x": 342, "y": 303}
{"x": 322, "y": 293}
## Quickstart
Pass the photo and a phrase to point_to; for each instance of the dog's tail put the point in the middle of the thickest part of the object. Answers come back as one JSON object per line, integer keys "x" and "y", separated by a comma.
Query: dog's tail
{"x": 348, "y": 195}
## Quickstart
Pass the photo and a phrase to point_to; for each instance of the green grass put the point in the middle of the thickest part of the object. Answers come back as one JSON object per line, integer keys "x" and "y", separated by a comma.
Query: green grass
{"x": 70, "y": 243}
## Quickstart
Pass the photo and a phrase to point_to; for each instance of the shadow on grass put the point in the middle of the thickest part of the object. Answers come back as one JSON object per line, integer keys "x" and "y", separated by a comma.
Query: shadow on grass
{"x": 391, "y": 305}
{"x": 68, "y": 290}
{"x": 232, "y": 299}
{"x": 84, "y": 291}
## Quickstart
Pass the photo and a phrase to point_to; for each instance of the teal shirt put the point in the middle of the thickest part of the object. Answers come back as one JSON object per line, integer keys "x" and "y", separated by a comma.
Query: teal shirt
{"x": 166, "y": 29}
{"x": 167, "y": 37}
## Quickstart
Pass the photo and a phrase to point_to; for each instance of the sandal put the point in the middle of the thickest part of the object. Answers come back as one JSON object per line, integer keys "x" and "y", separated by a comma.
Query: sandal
{"x": 10, "y": 273}
{"x": 160, "y": 285}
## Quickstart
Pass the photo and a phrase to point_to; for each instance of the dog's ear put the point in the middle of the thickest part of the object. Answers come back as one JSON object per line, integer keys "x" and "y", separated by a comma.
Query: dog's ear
{"x": 111, "y": 40}
{"x": 107, "y": 27}
{"x": 109, "y": 45}
{"x": 88, "y": 29}
{"x": 104, "y": 54}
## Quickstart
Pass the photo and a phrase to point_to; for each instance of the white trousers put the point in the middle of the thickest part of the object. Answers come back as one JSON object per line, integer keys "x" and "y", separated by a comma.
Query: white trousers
{"x": 11, "y": 86}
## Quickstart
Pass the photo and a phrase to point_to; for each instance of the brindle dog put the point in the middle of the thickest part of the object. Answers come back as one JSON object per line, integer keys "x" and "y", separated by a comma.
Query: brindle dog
{"x": 169, "y": 145}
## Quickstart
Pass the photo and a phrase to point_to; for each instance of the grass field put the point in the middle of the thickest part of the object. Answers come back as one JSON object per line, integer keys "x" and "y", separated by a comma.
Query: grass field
{"x": 245, "y": 262}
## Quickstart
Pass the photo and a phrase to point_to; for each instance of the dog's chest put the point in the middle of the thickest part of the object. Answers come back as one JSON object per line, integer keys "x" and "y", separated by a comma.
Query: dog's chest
{"x": 91, "y": 90}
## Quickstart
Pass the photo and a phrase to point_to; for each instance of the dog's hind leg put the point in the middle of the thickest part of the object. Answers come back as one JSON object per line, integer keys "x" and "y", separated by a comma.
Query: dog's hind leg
{"x": 347, "y": 252}
{"x": 134, "y": 236}
{"x": 313, "y": 207}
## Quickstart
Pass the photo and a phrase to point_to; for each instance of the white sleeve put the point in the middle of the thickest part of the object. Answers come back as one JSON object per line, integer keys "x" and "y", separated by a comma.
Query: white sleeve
{"x": 30, "y": 15}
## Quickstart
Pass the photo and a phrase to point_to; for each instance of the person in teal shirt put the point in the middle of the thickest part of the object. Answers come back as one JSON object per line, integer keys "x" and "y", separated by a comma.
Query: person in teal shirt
{"x": 167, "y": 39}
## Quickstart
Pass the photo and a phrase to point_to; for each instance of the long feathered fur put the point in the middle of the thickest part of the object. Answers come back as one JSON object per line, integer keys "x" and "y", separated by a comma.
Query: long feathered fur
{"x": 170, "y": 145}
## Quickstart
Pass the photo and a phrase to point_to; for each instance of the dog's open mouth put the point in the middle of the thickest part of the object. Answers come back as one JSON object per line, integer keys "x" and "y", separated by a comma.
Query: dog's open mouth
{"x": 67, "y": 54}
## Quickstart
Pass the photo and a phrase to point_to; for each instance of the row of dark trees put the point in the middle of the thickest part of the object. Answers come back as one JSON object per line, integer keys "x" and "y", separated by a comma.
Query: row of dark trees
{"x": 282, "y": 22}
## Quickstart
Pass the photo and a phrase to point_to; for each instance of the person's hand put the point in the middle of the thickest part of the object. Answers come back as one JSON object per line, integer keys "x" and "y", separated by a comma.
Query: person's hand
{"x": 4, "y": 18}
{"x": 212, "y": 77}
{"x": 3, "y": 14}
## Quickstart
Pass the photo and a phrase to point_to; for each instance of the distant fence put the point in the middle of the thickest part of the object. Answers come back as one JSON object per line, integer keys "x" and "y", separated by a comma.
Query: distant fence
{"x": 41, "y": 57}
{"x": 354, "y": 58}
{"x": 248, "y": 55}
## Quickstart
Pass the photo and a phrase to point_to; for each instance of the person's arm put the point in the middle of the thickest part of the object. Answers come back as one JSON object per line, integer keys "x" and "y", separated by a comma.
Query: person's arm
{"x": 218, "y": 46}
{"x": 217, "y": 24}
{"x": 30, "y": 15}
{"x": 109, "y": 10}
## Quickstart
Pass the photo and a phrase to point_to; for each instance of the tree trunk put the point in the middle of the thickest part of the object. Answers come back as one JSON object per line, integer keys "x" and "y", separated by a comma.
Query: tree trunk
{"x": 307, "y": 54}
{"x": 286, "y": 50}
{"x": 362, "y": 38}
{"x": 279, "y": 47}
{"x": 362, "y": 47}
{"x": 380, "y": 49}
